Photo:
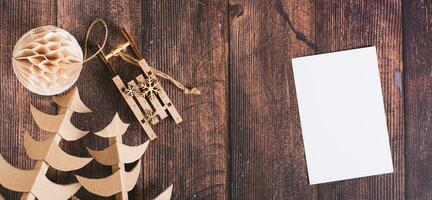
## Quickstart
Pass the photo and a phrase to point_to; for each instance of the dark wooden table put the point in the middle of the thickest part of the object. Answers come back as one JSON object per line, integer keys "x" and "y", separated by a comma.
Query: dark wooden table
{"x": 241, "y": 139}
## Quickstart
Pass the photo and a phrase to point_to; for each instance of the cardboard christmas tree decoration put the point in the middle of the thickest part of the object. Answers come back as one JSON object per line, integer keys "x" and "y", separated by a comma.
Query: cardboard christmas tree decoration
{"x": 33, "y": 183}
{"x": 115, "y": 155}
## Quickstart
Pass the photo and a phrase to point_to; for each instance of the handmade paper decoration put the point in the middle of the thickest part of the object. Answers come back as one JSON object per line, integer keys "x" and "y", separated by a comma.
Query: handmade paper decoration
{"x": 144, "y": 95}
{"x": 34, "y": 183}
{"x": 116, "y": 155}
{"x": 47, "y": 60}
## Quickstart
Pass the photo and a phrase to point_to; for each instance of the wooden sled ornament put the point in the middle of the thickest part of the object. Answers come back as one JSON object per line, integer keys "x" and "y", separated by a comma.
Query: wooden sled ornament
{"x": 144, "y": 95}
{"x": 116, "y": 155}
{"x": 33, "y": 183}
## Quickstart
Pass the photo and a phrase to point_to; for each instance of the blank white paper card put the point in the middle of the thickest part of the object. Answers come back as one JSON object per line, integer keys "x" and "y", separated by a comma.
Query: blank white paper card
{"x": 342, "y": 115}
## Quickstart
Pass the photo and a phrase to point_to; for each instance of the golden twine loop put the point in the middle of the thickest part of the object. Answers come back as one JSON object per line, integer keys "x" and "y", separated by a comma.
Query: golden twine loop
{"x": 88, "y": 35}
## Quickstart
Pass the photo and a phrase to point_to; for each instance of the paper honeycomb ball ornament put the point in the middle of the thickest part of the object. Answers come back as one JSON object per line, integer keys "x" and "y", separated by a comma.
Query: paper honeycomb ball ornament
{"x": 47, "y": 60}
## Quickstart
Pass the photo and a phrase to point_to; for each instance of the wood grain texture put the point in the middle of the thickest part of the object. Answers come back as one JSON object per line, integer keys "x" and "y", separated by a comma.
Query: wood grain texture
{"x": 266, "y": 145}
{"x": 241, "y": 139}
{"x": 16, "y": 19}
{"x": 189, "y": 43}
{"x": 189, "y": 40}
{"x": 358, "y": 23}
{"x": 418, "y": 95}
{"x": 96, "y": 87}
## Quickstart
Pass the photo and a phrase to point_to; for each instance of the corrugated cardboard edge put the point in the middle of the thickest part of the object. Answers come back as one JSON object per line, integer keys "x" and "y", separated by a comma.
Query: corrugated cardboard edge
{"x": 116, "y": 128}
{"x": 114, "y": 184}
{"x": 119, "y": 153}
{"x": 73, "y": 101}
{"x": 166, "y": 195}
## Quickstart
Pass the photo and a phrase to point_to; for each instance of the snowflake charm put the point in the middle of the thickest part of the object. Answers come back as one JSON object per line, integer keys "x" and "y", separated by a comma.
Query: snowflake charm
{"x": 149, "y": 87}
{"x": 130, "y": 90}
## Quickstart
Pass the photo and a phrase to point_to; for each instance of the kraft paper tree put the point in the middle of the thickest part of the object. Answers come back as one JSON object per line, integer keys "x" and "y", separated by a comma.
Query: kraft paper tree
{"x": 117, "y": 155}
{"x": 34, "y": 183}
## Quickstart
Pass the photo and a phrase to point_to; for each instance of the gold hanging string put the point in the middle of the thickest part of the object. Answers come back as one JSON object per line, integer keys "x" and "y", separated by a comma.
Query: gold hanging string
{"x": 130, "y": 59}
{"x": 88, "y": 35}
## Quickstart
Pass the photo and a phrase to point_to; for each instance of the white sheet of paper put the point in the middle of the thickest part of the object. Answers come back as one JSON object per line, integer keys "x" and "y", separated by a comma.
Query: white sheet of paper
{"x": 342, "y": 115}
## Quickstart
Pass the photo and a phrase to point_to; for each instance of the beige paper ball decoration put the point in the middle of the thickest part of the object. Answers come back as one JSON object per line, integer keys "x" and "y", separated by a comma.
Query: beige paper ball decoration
{"x": 47, "y": 60}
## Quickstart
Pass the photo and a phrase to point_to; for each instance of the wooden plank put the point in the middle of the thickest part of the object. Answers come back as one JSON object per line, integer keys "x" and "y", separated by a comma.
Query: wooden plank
{"x": 16, "y": 18}
{"x": 188, "y": 40}
{"x": 358, "y": 23}
{"x": 418, "y": 95}
{"x": 268, "y": 159}
{"x": 95, "y": 84}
